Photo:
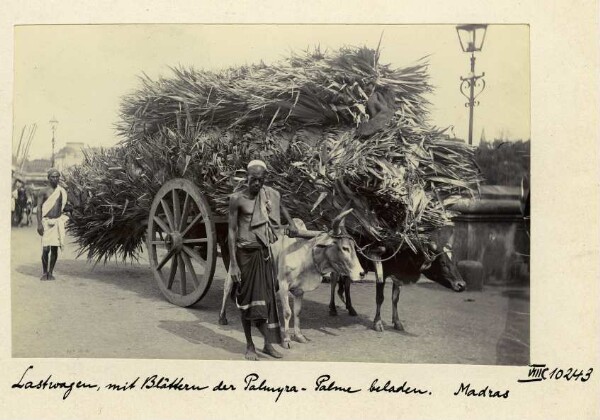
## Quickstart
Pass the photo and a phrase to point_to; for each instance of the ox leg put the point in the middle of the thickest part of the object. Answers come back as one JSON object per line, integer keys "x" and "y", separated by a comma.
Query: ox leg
{"x": 379, "y": 288}
{"x": 341, "y": 282}
{"x": 347, "y": 283}
{"x": 397, "y": 287}
{"x": 227, "y": 286}
{"x": 332, "y": 282}
{"x": 287, "y": 313}
{"x": 298, "y": 336}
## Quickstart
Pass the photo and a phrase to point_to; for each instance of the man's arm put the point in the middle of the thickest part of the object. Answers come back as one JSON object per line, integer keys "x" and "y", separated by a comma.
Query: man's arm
{"x": 293, "y": 230}
{"x": 234, "y": 270}
{"x": 41, "y": 199}
{"x": 68, "y": 208}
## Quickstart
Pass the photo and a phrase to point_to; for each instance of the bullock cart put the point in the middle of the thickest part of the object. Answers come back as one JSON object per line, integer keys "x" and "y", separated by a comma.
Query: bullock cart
{"x": 333, "y": 128}
{"x": 182, "y": 236}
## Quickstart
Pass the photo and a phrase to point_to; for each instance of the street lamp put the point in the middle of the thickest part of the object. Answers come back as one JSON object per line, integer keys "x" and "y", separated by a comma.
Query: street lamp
{"x": 471, "y": 39}
{"x": 53, "y": 124}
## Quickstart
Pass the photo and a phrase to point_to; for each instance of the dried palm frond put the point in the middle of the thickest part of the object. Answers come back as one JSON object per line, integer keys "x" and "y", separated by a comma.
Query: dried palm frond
{"x": 301, "y": 117}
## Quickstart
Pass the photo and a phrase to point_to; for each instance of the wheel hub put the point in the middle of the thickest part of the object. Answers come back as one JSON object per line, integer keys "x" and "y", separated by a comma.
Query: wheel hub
{"x": 175, "y": 241}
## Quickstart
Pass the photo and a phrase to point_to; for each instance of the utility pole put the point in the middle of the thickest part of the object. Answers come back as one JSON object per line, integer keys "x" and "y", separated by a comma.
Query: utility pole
{"x": 53, "y": 124}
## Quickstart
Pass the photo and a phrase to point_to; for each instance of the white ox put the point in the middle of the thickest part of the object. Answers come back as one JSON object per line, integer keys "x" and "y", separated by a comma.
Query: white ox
{"x": 301, "y": 263}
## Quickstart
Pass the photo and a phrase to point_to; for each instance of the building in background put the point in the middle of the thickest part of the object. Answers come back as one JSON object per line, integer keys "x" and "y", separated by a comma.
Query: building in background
{"x": 34, "y": 172}
{"x": 70, "y": 155}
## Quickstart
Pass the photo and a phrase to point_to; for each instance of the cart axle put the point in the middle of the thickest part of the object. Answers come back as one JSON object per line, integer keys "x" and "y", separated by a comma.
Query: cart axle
{"x": 174, "y": 241}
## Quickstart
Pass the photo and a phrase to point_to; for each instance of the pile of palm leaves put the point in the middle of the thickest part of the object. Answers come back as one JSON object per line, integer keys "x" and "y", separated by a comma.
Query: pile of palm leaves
{"x": 303, "y": 117}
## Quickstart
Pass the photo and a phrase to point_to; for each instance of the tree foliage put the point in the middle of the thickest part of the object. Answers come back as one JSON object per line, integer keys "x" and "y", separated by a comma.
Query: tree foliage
{"x": 504, "y": 162}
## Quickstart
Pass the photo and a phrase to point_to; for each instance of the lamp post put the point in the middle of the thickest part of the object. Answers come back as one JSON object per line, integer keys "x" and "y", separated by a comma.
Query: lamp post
{"x": 53, "y": 124}
{"x": 471, "y": 39}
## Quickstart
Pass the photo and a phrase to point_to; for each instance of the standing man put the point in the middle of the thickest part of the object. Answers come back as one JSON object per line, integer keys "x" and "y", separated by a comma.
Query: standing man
{"x": 14, "y": 197}
{"x": 254, "y": 222}
{"x": 19, "y": 201}
{"x": 51, "y": 222}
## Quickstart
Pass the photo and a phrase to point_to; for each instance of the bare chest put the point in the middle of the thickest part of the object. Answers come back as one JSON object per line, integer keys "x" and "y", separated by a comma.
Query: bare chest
{"x": 246, "y": 206}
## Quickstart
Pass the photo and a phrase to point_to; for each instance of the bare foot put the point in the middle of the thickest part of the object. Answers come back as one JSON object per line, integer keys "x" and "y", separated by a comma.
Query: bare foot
{"x": 51, "y": 277}
{"x": 270, "y": 350}
{"x": 251, "y": 353}
{"x": 44, "y": 276}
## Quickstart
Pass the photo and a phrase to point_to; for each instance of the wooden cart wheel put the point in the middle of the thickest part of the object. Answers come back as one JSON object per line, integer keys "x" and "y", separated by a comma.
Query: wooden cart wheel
{"x": 181, "y": 242}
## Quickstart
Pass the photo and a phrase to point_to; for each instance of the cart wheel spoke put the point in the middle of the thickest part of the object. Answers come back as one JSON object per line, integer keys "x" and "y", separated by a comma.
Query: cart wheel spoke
{"x": 165, "y": 259}
{"x": 193, "y": 222}
{"x": 184, "y": 212}
{"x": 158, "y": 243}
{"x": 176, "y": 210}
{"x": 172, "y": 273}
{"x": 188, "y": 262}
{"x": 195, "y": 256}
{"x": 161, "y": 224}
{"x": 182, "y": 284}
{"x": 168, "y": 214}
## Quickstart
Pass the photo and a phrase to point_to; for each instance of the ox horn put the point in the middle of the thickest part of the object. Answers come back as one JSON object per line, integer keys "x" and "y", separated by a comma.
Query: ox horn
{"x": 338, "y": 222}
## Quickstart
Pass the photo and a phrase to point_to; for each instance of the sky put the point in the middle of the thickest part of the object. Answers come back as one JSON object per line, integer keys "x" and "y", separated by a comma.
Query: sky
{"x": 78, "y": 73}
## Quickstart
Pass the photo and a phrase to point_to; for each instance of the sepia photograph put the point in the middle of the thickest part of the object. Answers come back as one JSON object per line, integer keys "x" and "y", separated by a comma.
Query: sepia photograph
{"x": 313, "y": 193}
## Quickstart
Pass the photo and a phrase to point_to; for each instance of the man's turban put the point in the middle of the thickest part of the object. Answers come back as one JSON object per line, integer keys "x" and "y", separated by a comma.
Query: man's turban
{"x": 53, "y": 171}
{"x": 257, "y": 162}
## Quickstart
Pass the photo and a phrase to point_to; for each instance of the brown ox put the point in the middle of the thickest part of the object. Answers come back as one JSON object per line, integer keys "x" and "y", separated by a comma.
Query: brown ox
{"x": 301, "y": 263}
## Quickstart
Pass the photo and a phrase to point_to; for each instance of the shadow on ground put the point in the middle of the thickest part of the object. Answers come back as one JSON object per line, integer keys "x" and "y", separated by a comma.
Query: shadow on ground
{"x": 133, "y": 278}
{"x": 314, "y": 315}
{"x": 139, "y": 280}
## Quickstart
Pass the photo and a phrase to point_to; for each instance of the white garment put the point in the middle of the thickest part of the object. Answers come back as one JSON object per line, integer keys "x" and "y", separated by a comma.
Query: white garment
{"x": 51, "y": 201}
{"x": 54, "y": 229}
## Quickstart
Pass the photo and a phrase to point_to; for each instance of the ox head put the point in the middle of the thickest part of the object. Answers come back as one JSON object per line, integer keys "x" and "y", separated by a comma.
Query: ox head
{"x": 442, "y": 268}
{"x": 340, "y": 250}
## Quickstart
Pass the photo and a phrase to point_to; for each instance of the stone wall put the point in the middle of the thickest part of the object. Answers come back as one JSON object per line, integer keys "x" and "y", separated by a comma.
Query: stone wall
{"x": 494, "y": 233}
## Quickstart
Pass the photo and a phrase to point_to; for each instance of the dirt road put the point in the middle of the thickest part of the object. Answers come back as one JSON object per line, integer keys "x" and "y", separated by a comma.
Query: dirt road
{"x": 117, "y": 311}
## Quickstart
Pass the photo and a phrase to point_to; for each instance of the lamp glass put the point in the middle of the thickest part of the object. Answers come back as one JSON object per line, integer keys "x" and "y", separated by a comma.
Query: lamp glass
{"x": 479, "y": 37}
{"x": 471, "y": 37}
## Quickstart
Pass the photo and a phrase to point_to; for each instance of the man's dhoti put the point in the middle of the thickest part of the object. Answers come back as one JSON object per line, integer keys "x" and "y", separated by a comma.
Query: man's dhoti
{"x": 54, "y": 231}
{"x": 255, "y": 296}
